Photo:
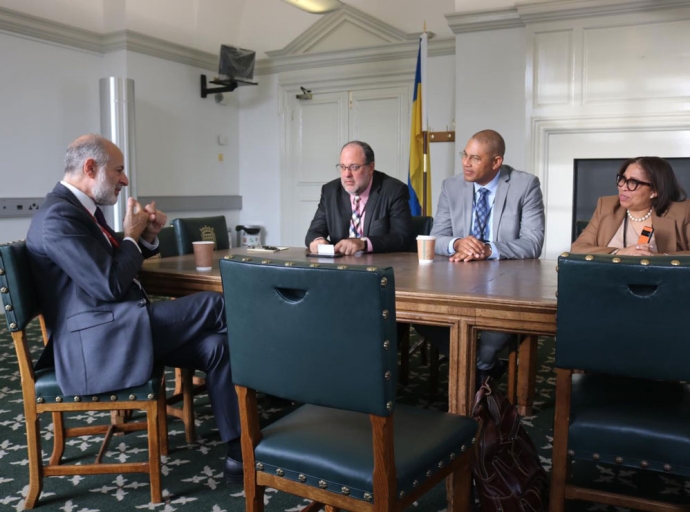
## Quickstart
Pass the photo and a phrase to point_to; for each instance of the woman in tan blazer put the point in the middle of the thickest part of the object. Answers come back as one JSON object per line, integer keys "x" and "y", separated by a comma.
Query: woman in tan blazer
{"x": 649, "y": 196}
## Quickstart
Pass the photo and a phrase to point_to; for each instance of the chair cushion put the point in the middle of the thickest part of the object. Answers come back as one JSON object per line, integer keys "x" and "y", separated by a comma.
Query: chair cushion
{"x": 631, "y": 419}
{"x": 335, "y": 446}
{"x": 48, "y": 390}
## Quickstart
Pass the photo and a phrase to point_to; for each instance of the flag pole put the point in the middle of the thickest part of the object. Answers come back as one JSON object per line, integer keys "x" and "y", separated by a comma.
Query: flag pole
{"x": 425, "y": 124}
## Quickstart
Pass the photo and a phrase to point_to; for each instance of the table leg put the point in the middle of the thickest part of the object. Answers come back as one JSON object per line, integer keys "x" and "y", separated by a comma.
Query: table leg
{"x": 527, "y": 374}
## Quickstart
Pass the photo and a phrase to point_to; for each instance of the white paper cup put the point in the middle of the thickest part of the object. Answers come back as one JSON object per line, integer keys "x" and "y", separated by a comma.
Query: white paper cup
{"x": 203, "y": 255}
{"x": 426, "y": 246}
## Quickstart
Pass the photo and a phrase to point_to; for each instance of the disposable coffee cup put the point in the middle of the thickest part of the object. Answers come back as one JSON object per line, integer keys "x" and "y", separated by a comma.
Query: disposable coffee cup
{"x": 426, "y": 246}
{"x": 203, "y": 255}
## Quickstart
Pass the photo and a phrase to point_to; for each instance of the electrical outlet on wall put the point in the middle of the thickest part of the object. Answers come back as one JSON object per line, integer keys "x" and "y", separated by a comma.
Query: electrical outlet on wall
{"x": 19, "y": 206}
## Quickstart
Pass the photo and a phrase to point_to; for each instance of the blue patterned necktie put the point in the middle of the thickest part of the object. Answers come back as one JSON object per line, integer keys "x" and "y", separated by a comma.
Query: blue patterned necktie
{"x": 356, "y": 219}
{"x": 481, "y": 216}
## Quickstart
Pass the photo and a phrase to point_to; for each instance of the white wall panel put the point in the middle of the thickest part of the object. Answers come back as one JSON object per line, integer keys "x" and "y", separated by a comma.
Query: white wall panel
{"x": 553, "y": 68}
{"x": 638, "y": 61}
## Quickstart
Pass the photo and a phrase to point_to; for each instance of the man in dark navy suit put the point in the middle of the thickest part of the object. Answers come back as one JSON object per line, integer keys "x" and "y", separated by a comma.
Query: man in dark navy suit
{"x": 104, "y": 334}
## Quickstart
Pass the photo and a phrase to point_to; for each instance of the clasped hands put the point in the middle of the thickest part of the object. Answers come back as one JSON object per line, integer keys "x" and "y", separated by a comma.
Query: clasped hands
{"x": 637, "y": 250}
{"x": 469, "y": 249}
{"x": 143, "y": 222}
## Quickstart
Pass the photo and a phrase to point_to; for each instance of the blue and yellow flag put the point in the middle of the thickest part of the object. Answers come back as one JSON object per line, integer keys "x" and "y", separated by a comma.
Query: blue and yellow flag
{"x": 419, "y": 174}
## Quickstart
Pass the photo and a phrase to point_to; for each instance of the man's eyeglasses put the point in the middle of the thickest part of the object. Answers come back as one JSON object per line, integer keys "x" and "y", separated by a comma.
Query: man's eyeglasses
{"x": 475, "y": 159}
{"x": 630, "y": 183}
{"x": 351, "y": 168}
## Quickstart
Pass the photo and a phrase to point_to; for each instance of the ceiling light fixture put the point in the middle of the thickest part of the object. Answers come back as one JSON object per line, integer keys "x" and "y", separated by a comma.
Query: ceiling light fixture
{"x": 316, "y": 6}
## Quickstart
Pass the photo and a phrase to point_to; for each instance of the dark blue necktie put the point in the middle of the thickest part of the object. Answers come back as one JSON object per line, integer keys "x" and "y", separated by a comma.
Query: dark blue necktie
{"x": 481, "y": 216}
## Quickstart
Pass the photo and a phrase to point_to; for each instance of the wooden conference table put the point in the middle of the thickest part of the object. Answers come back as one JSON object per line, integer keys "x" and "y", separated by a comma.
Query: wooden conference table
{"x": 510, "y": 295}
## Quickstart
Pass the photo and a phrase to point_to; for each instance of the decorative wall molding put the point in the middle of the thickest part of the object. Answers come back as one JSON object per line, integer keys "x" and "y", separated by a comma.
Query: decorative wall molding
{"x": 484, "y": 20}
{"x": 322, "y": 29}
{"x": 524, "y": 14}
{"x": 397, "y": 44}
{"x": 401, "y": 50}
{"x": 59, "y": 33}
{"x": 141, "y": 43}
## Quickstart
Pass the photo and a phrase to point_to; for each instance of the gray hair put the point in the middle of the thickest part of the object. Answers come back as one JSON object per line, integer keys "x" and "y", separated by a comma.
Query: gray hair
{"x": 88, "y": 146}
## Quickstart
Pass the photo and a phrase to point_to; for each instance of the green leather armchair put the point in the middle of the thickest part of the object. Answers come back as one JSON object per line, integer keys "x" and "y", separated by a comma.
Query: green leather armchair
{"x": 42, "y": 394}
{"x": 193, "y": 229}
{"x": 622, "y": 321}
{"x": 324, "y": 335}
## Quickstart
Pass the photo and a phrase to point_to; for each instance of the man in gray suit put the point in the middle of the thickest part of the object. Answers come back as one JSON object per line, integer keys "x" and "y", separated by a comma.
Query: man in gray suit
{"x": 492, "y": 211}
{"x": 104, "y": 333}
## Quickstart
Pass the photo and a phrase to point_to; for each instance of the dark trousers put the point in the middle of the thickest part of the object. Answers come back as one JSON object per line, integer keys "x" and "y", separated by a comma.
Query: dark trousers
{"x": 489, "y": 345}
{"x": 190, "y": 332}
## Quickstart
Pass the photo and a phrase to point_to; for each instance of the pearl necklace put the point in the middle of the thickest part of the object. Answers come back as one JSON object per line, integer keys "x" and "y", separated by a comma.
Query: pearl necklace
{"x": 640, "y": 219}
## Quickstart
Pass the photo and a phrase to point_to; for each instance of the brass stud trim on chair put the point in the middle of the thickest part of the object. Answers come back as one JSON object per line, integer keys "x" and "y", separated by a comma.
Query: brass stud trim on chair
{"x": 589, "y": 257}
{"x": 151, "y": 396}
{"x": 345, "y": 491}
{"x": 668, "y": 467}
{"x": 440, "y": 464}
{"x": 372, "y": 269}
{"x": 280, "y": 472}
{"x": 675, "y": 263}
{"x": 132, "y": 397}
{"x": 387, "y": 375}
{"x": 4, "y": 289}
{"x": 463, "y": 448}
{"x": 13, "y": 326}
{"x": 246, "y": 259}
{"x": 571, "y": 453}
{"x": 342, "y": 267}
{"x": 619, "y": 460}
{"x": 289, "y": 263}
{"x": 565, "y": 254}
{"x": 323, "y": 484}
{"x": 40, "y": 400}
{"x": 644, "y": 464}
{"x": 452, "y": 456}
{"x": 428, "y": 473}
{"x": 415, "y": 483}
{"x": 2, "y": 271}
{"x": 265, "y": 261}
{"x": 616, "y": 260}
{"x": 385, "y": 314}
{"x": 314, "y": 265}
{"x": 401, "y": 494}
{"x": 644, "y": 262}
{"x": 389, "y": 406}
{"x": 384, "y": 282}
{"x": 386, "y": 344}
{"x": 231, "y": 257}
{"x": 77, "y": 399}
{"x": 58, "y": 399}
{"x": 474, "y": 439}
{"x": 302, "y": 477}
{"x": 368, "y": 496}
{"x": 94, "y": 399}
{"x": 113, "y": 398}
{"x": 259, "y": 466}
{"x": 596, "y": 456}
{"x": 9, "y": 307}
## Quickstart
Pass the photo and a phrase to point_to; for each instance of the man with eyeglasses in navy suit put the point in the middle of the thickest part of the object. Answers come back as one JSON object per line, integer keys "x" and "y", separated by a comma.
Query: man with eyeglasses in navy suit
{"x": 362, "y": 211}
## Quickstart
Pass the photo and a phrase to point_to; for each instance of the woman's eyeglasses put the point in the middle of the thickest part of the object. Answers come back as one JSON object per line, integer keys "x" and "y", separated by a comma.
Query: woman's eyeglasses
{"x": 630, "y": 183}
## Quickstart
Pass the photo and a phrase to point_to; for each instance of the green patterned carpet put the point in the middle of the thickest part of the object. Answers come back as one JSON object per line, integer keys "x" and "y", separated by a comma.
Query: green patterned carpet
{"x": 192, "y": 474}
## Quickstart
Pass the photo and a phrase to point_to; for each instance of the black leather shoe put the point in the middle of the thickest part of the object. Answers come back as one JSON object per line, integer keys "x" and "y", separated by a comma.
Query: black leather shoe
{"x": 498, "y": 370}
{"x": 233, "y": 473}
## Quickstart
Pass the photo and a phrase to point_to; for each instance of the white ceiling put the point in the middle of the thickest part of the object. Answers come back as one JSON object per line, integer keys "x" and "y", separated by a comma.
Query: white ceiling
{"x": 260, "y": 25}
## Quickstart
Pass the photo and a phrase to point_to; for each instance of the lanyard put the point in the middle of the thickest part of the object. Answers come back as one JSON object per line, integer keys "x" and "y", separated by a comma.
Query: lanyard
{"x": 113, "y": 241}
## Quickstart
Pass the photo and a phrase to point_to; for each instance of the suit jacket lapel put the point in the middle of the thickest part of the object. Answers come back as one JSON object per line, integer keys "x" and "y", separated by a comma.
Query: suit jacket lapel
{"x": 665, "y": 233}
{"x": 500, "y": 201}
{"x": 66, "y": 194}
{"x": 609, "y": 225}
{"x": 371, "y": 203}
{"x": 467, "y": 198}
